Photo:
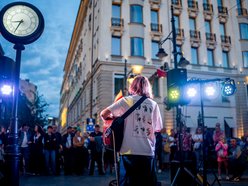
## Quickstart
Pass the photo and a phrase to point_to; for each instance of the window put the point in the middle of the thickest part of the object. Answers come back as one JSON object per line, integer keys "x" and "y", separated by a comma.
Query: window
{"x": 219, "y": 2}
{"x": 179, "y": 49}
{"x": 136, "y": 15}
{"x": 177, "y": 23}
{"x": 116, "y": 46}
{"x": 155, "y": 87}
{"x": 243, "y": 30}
{"x": 222, "y": 29}
{"x": 137, "y": 46}
{"x": 116, "y": 11}
{"x": 225, "y": 59}
{"x": 208, "y": 26}
{"x": 239, "y": 4}
{"x": 205, "y": 1}
{"x": 194, "y": 55}
{"x": 245, "y": 59}
{"x": 192, "y": 24}
{"x": 118, "y": 83}
{"x": 155, "y": 48}
{"x": 210, "y": 57}
{"x": 154, "y": 16}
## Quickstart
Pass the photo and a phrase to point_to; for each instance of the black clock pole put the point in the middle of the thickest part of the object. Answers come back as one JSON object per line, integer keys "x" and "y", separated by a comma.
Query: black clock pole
{"x": 12, "y": 150}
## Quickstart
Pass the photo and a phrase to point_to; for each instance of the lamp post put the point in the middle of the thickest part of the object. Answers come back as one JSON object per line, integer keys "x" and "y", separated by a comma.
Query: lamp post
{"x": 125, "y": 77}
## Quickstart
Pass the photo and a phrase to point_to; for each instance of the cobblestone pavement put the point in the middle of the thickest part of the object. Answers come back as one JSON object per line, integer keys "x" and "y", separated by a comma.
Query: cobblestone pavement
{"x": 96, "y": 180}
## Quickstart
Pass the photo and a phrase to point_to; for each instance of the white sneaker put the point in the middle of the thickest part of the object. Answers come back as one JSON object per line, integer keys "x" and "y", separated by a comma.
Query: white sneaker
{"x": 227, "y": 178}
{"x": 159, "y": 170}
{"x": 219, "y": 177}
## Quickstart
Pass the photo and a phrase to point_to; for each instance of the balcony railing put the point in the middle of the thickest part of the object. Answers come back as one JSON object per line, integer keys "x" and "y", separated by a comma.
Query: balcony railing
{"x": 225, "y": 39}
{"x": 156, "y": 27}
{"x": 117, "y": 22}
{"x": 222, "y": 10}
{"x": 179, "y": 32}
{"x": 208, "y": 7}
{"x": 176, "y": 2}
{"x": 155, "y": 1}
{"x": 192, "y": 4}
{"x": 210, "y": 37}
{"x": 194, "y": 34}
{"x": 242, "y": 11}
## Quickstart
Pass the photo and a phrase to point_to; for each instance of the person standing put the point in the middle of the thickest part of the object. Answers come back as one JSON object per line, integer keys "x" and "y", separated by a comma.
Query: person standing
{"x": 67, "y": 143}
{"x": 50, "y": 150}
{"x": 95, "y": 147}
{"x": 58, "y": 148}
{"x": 25, "y": 139}
{"x": 197, "y": 147}
{"x": 217, "y": 134}
{"x": 37, "y": 150}
{"x": 139, "y": 142}
{"x": 78, "y": 144}
{"x": 222, "y": 151}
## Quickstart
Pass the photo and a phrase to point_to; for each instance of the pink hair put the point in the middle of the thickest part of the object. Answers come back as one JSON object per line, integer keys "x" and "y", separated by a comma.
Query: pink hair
{"x": 141, "y": 86}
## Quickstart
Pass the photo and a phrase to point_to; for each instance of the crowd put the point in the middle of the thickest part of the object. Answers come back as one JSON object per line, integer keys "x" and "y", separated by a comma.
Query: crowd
{"x": 48, "y": 153}
{"x": 228, "y": 154}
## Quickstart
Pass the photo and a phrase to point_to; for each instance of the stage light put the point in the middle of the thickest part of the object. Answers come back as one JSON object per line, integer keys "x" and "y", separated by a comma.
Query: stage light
{"x": 191, "y": 91}
{"x": 174, "y": 94}
{"x": 6, "y": 90}
{"x": 210, "y": 90}
{"x": 228, "y": 88}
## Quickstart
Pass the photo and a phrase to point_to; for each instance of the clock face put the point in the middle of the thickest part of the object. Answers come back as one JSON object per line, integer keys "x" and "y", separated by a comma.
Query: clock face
{"x": 20, "y": 20}
{"x": 21, "y": 23}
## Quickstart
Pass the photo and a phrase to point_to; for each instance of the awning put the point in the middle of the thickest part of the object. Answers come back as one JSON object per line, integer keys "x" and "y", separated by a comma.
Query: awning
{"x": 230, "y": 121}
{"x": 210, "y": 121}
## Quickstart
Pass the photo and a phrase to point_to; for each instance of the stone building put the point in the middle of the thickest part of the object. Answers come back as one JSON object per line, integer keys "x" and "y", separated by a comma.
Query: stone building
{"x": 111, "y": 34}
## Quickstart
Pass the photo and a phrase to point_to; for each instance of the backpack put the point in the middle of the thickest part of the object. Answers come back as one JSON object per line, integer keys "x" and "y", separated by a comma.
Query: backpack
{"x": 113, "y": 133}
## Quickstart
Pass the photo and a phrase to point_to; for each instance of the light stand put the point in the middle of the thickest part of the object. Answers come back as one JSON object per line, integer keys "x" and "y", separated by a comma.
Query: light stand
{"x": 12, "y": 149}
{"x": 161, "y": 54}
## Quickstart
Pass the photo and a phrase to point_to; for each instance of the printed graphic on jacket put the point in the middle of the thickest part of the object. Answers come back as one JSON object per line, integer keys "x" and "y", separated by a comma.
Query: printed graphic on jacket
{"x": 142, "y": 125}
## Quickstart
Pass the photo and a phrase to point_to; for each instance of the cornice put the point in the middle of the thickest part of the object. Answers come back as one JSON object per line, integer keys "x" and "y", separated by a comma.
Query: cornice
{"x": 76, "y": 33}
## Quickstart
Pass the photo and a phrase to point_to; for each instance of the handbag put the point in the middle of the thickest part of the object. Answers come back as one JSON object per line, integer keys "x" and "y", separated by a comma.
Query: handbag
{"x": 113, "y": 135}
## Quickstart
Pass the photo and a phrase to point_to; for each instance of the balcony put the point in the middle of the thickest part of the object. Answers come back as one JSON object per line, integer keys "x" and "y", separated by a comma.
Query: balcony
{"x": 225, "y": 43}
{"x": 117, "y": 1}
{"x": 180, "y": 36}
{"x": 156, "y": 31}
{"x": 242, "y": 12}
{"x": 211, "y": 40}
{"x": 222, "y": 14}
{"x": 193, "y": 8}
{"x": 208, "y": 11}
{"x": 195, "y": 38}
{"x": 117, "y": 26}
{"x": 177, "y": 6}
{"x": 155, "y": 4}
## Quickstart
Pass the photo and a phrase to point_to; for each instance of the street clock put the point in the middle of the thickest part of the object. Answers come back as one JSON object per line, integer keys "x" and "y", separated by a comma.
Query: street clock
{"x": 21, "y": 23}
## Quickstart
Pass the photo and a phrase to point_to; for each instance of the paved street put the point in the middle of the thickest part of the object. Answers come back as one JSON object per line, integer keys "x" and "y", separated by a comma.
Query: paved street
{"x": 96, "y": 180}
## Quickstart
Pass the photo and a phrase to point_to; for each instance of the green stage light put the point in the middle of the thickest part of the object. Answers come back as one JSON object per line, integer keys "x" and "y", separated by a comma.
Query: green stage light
{"x": 174, "y": 94}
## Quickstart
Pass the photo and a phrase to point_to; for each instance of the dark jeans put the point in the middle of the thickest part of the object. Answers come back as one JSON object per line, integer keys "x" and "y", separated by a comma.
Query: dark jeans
{"x": 25, "y": 152}
{"x": 96, "y": 157}
{"x": 50, "y": 158}
{"x": 140, "y": 170}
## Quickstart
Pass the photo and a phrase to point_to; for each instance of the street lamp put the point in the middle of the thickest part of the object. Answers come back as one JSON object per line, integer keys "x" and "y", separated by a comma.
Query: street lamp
{"x": 175, "y": 79}
{"x": 128, "y": 77}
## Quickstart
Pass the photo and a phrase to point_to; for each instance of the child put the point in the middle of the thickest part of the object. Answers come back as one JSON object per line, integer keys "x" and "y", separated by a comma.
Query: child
{"x": 222, "y": 151}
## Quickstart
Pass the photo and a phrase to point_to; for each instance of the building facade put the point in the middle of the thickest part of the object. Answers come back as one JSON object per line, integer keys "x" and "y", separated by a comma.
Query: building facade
{"x": 110, "y": 35}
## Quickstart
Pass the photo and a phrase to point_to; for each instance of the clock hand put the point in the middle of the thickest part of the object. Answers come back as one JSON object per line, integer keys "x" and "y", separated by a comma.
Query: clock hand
{"x": 16, "y": 21}
{"x": 20, "y": 22}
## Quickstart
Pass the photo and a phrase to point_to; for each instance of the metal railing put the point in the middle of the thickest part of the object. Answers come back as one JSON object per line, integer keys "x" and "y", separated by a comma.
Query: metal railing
{"x": 195, "y": 34}
{"x": 192, "y": 4}
{"x": 222, "y": 10}
{"x": 118, "y": 22}
{"x": 180, "y": 32}
{"x": 156, "y": 27}
{"x": 208, "y": 7}
{"x": 225, "y": 39}
{"x": 210, "y": 36}
{"x": 242, "y": 11}
{"x": 176, "y": 2}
